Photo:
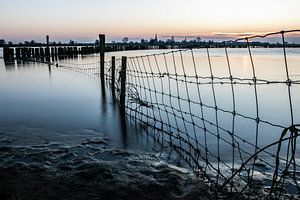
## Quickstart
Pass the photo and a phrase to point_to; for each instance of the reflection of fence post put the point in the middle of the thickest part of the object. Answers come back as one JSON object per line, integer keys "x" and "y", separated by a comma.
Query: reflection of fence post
{"x": 113, "y": 68}
{"x": 102, "y": 51}
{"x": 123, "y": 83}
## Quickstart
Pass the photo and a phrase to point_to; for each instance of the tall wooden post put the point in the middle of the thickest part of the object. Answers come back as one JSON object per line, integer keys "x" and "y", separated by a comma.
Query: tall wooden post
{"x": 113, "y": 77}
{"x": 42, "y": 54}
{"x": 6, "y": 55}
{"x": 113, "y": 73}
{"x": 23, "y": 53}
{"x": 18, "y": 53}
{"x": 47, "y": 50}
{"x": 37, "y": 53}
{"x": 102, "y": 52}
{"x": 48, "y": 54}
{"x": 52, "y": 53}
{"x": 123, "y": 84}
{"x": 55, "y": 53}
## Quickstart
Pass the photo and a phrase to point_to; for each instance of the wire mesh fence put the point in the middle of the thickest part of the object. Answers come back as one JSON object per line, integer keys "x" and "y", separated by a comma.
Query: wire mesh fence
{"x": 231, "y": 114}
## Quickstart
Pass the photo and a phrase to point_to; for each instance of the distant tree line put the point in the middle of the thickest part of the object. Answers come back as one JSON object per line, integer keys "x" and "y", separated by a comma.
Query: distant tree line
{"x": 195, "y": 43}
{"x": 152, "y": 43}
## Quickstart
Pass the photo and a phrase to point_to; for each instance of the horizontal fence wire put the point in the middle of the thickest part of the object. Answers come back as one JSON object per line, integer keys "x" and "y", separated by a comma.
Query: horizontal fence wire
{"x": 231, "y": 114}
{"x": 90, "y": 69}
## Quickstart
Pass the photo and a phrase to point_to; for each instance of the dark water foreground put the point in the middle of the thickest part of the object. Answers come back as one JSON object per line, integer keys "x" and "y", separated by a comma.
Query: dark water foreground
{"x": 62, "y": 138}
{"x": 90, "y": 170}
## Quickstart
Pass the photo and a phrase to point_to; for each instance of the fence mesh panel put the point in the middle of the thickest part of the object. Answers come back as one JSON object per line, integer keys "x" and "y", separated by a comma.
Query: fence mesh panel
{"x": 231, "y": 114}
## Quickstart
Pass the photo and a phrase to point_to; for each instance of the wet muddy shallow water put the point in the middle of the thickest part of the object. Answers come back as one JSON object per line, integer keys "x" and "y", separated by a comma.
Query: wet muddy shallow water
{"x": 90, "y": 170}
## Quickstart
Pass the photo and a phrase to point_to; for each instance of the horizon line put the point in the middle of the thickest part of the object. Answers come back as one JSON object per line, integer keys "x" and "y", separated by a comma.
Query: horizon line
{"x": 208, "y": 36}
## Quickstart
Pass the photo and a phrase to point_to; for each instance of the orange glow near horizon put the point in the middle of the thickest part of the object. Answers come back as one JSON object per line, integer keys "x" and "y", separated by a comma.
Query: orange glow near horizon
{"x": 61, "y": 19}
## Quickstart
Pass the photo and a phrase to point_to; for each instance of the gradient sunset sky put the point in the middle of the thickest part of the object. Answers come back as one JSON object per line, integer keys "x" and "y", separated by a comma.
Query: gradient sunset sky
{"x": 84, "y": 19}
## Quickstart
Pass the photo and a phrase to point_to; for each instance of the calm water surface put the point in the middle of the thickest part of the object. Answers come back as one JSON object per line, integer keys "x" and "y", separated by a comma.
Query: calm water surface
{"x": 40, "y": 106}
{"x": 65, "y": 106}
{"x": 273, "y": 99}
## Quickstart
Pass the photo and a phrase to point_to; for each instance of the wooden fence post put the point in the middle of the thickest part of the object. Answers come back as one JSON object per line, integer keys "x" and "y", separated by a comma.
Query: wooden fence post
{"x": 42, "y": 54}
{"x": 47, "y": 51}
{"x": 113, "y": 71}
{"x": 6, "y": 54}
{"x": 123, "y": 84}
{"x": 37, "y": 53}
{"x": 18, "y": 53}
{"x": 102, "y": 51}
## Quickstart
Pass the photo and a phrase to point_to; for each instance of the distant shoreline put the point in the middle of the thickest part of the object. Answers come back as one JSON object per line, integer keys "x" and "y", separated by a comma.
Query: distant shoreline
{"x": 152, "y": 44}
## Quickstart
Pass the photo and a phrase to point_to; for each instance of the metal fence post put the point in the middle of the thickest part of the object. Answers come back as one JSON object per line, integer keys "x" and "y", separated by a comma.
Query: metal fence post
{"x": 123, "y": 84}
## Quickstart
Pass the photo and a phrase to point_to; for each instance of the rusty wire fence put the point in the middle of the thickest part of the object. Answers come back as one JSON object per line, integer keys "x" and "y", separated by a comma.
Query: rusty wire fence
{"x": 231, "y": 114}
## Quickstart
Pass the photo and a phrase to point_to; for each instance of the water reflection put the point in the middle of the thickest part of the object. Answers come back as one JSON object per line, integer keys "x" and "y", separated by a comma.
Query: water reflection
{"x": 10, "y": 66}
{"x": 42, "y": 104}
{"x": 49, "y": 68}
{"x": 75, "y": 105}
{"x": 124, "y": 128}
{"x": 272, "y": 99}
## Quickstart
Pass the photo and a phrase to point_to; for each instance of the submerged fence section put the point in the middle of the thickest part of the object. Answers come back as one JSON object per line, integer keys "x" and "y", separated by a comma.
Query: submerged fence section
{"x": 201, "y": 103}
{"x": 231, "y": 114}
